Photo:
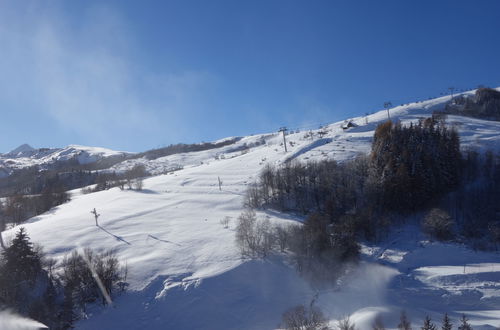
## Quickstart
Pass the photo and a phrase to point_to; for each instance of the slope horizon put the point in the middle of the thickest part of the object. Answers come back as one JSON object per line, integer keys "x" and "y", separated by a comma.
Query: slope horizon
{"x": 314, "y": 125}
{"x": 133, "y": 77}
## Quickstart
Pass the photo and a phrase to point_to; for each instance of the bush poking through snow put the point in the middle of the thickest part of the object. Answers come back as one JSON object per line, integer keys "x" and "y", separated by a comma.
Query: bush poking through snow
{"x": 404, "y": 322}
{"x": 225, "y": 221}
{"x": 134, "y": 177}
{"x": 90, "y": 276}
{"x": 438, "y": 224}
{"x": 254, "y": 237}
{"x": 138, "y": 184}
{"x": 300, "y": 318}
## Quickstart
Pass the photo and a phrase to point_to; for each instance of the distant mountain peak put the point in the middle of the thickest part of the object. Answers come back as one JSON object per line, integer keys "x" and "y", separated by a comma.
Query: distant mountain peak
{"x": 23, "y": 148}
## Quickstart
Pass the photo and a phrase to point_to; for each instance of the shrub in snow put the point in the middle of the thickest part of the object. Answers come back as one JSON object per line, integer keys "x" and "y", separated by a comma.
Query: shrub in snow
{"x": 134, "y": 175}
{"x": 438, "y": 224}
{"x": 138, "y": 184}
{"x": 300, "y": 317}
{"x": 404, "y": 322}
{"x": 346, "y": 324}
{"x": 225, "y": 221}
{"x": 253, "y": 237}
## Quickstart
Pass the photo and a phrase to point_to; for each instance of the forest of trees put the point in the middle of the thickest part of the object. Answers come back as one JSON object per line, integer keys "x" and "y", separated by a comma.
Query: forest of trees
{"x": 484, "y": 104}
{"x": 411, "y": 169}
{"x": 312, "y": 318}
{"x": 407, "y": 168}
{"x": 29, "y": 285}
{"x": 182, "y": 147}
{"x": 49, "y": 190}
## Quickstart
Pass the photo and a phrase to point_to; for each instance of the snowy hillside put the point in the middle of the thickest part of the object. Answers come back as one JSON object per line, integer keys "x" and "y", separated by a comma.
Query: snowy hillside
{"x": 26, "y": 156}
{"x": 185, "y": 271}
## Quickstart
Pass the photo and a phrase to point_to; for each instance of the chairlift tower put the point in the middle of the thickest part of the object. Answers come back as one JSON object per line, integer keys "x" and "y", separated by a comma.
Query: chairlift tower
{"x": 387, "y": 106}
{"x": 283, "y": 130}
{"x": 451, "y": 89}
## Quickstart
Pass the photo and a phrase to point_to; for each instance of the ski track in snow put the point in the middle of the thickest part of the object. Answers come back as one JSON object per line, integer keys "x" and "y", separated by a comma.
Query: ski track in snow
{"x": 185, "y": 271}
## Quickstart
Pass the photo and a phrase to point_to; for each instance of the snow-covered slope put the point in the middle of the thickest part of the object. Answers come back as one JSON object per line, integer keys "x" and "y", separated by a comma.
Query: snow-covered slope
{"x": 184, "y": 268}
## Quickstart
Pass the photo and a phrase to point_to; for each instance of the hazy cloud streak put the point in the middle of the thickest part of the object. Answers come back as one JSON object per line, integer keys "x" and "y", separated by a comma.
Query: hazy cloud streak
{"x": 83, "y": 77}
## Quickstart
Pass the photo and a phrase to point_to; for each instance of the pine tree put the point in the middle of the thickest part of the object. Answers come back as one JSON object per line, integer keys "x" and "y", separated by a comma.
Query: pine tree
{"x": 428, "y": 325}
{"x": 19, "y": 273}
{"x": 464, "y": 324}
{"x": 22, "y": 262}
{"x": 447, "y": 325}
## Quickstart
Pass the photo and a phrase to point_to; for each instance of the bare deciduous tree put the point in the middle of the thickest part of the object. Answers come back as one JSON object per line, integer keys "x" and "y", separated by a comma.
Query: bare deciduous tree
{"x": 346, "y": 324}
{"x": 302, "y": 318}
{"x": 404, "y": 322}
{"x": 438, "y": 224}
{"x": 254, "y": 238}
{"x": 138, "y": 184}
{"x": 245, "y": 235}
{"x": 282, "y": 236}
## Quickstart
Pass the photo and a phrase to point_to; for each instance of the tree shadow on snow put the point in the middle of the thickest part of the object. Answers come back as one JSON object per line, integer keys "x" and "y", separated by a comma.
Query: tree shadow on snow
{"x": 147, "y": 191}
{"x": 162, "y": 240}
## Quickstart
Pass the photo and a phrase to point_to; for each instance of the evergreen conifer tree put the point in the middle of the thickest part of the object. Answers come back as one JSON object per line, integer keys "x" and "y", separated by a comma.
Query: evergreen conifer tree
{"x": 464, "y": 324}
{"x": 446, "y": 322}
{"x": 428, "y": 325}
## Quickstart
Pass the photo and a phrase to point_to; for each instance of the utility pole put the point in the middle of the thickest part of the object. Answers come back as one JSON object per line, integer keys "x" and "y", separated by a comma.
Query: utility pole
{"x": 283, "y": 129}
{"x": 387, "y": 105}
{"x": 96, "y": 215}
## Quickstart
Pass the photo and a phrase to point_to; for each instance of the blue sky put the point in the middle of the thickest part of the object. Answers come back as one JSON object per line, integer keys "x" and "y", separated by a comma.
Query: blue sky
{"x": 135, "y": 75}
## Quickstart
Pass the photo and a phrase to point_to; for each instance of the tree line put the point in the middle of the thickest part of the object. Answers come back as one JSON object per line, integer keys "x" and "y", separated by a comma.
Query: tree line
{"x": 318, "y": 249}
{"x": 47, "y": 192}
{"x": 408, "y": 169}
{"x": 414, "y": 168}
{"x": 484, "y": 104}
{"x": 312, "y": 318}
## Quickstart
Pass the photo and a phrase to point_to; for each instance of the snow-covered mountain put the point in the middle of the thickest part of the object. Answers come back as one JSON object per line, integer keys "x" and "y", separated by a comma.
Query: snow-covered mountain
{"x": 26, "y": 156}
{"x": 185, "y": 271}
{"x": 22, "y": 150}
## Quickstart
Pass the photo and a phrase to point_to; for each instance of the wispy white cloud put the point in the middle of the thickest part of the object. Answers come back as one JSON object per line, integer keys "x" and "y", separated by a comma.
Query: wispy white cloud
{"x": 81, "y": 74}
